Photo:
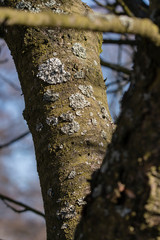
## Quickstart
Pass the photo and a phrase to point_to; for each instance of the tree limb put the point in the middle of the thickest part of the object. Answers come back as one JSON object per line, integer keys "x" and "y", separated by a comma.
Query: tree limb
{"x": 121, "y": 42}
{"x": 14, "y": 140}
{"x": 115, "y": 67}
{"x": 95, "y": 22}
{"x": 26, "y": 207}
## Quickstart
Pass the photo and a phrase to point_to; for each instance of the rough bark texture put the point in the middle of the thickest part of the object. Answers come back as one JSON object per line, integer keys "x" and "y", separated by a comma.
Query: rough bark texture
{"x": 125, "y": 199}
{"x": 65, "y": 108}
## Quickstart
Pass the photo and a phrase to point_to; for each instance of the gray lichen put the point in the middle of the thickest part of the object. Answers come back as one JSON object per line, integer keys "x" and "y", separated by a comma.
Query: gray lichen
{"x": 81, "y": 201}
{"x": 66, "y": 212}
{"x": 50, "y": 96}
{"x": 68, "y": 117}
{"x": 64, "y": 226}
{"x": 78, "y": 113}
{"x": 103, "y": 134}
{"x": 79, "y": 74}
{"x": 50, "y": 192}
{"x": 50, "y": 3}
{"x": 72, "y": 174}
{"x": 52, "y": 71}
{"x": 83, "y": 132}
{"x": 27, "y": 6}
{"x": 79, "y": 51}
{"x": 39, "y": 126}
{"x": 70, "y": 128}
{"x": 78, "y": 101}
{"x": 52, "y": 121}
{"x": 94, "y": 121}
{"x": 86, "y": 90}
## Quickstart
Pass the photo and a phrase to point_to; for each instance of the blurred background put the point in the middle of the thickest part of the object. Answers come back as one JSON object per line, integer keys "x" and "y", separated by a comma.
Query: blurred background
{"x": 18, "y": 174}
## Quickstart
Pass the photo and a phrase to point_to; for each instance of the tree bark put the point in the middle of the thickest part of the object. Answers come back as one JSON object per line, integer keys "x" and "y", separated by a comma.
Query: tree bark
{"x": 65, "y": 108}
{"x": 125, "y": 199}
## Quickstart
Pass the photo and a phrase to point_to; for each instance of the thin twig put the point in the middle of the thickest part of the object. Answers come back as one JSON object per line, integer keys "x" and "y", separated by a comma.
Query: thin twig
{"x": 125, "y": 8}
{"x": 9, "y": 83}
{"x": 120, "y": 42}
{"x": 14, "y": 140}
{"x": 26, "y": 207}
{"x": 116, "y": 67}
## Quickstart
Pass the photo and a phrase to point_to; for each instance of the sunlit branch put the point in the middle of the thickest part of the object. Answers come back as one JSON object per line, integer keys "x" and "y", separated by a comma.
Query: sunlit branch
{"x": 14, "y": 140}
{"x": 115, "y": 67}
{"x": 26, "y": 207}
{"x": 95, "y": 22}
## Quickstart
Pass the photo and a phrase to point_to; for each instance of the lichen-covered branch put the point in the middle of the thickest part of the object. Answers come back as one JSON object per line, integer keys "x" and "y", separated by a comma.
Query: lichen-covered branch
{"x": 103, "y": 23}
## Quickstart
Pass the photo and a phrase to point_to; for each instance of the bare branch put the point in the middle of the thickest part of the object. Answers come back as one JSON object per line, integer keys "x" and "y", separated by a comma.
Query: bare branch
{"x": 9, "y": 83}
{"x": 14, "y": 140}
{"x": 95, "y": 22}
{"x": 116, "y": 67}
{"x": 121, "y": 42}
{"x": 26, "y": 207}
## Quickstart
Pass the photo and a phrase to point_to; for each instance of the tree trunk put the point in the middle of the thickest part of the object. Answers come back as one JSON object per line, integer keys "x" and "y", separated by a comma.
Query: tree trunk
{"x": 65, "y": 108}
{"x": 125, "y": 199}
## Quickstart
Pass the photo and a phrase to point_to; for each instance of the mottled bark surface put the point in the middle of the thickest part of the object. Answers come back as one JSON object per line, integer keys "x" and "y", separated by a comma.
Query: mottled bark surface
{"x": 125, "y": 199}
{"x": 65, "y": 108}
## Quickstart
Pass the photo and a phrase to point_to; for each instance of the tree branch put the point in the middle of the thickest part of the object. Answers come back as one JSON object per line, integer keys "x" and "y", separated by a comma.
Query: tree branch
{"x": 116, "y": 67}
{"x": 95, "y": 22}
{"x": 120, "y": 42}
{"x": 14, "y": 140}
{"x": 9, "y": 83}
{"x": 26, "y": 207}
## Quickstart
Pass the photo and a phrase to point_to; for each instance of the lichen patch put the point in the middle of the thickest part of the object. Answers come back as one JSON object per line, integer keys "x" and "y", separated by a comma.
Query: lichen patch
{"x": 70, "y": 128}
{"x": 78, "y": 101}
{"x": 52, "y": 121}
{"x": 52, "y": 71}
{"x": 79, "y": 51}
{"x": 86, "y": 90}
{"x": 50, "y": 96}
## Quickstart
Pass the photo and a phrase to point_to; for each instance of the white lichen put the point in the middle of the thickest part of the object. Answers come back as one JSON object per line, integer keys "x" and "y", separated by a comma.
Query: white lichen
{"x": 101, "y": 144}
{"x": 68, "y": 117}
{"x": 83, "y": 132}
{"x": 78, "y": 101}
{"x": 103, "y": 134}
{"x": 66, "y": 212}
{"x": 72, "y": 174}
{"x": 52, "y": 121}
{"x": 27, "y": 6}
{"x": 81, "y": 201}
{"x": 95, "y": 63}
{"x": 52, "y": 71}
{"x": 78, "y": 113}
{"x": 78, "y": 50}
{"x": 50, "y": 96}
{"x": 50, "y": 3}
{"x": 39, "y": 126}
{"x": 70, "y": 128}
{"x": 50, "y": 192}
{"x": 94, "y": 122}
{"x": 86, "y": 90}
{"x": 79, "y": 74}
{"x": 64, "y": 226}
